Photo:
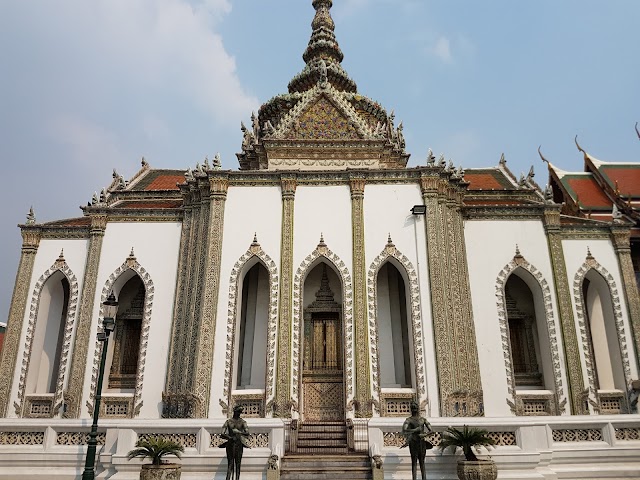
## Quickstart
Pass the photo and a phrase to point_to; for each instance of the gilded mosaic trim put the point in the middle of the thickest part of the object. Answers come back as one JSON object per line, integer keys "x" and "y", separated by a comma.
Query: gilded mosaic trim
{"x": 130, "y": 264}
{"x": 235, "y": 295}
{"x": 60, "y": 265}
{"x": 516, "y": 402}
{"x": 282, "y": 405}
{"x": 363, "y": 403}
{"x": 592, "y": 264}
{"x": 322, "y": 251}
{"x": 73, "y": 394}
{"x": 9, "y": 355}
{"x": 219, "y": 185}
{"x": 621, "y": 242}
{"x": 456, "y": 351}
{"x": 177, "y": 328}
{"x": 565, "y": 309}
{"x": 390, "y": 251}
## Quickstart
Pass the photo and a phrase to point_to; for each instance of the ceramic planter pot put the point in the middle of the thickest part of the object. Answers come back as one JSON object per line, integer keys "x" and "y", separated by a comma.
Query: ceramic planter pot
{"x": 169, "y": 471}
{"x": 478, "y": 470}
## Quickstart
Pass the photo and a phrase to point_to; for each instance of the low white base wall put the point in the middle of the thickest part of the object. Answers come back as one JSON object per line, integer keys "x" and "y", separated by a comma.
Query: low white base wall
{"x": 551, "y": 448}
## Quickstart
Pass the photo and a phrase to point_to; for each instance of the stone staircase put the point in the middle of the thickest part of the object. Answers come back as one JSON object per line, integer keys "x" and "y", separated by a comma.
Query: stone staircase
{"x": 325, "y": 467}
{"x": 321, "y": 451}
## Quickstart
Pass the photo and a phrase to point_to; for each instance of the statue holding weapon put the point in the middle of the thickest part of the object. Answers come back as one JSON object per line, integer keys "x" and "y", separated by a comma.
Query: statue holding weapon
{"x": 416, "y": 429}
{"x": 235, "y": 431}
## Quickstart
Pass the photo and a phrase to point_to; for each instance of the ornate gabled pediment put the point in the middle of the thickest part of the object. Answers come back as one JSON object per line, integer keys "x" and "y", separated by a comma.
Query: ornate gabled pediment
{"x": 323, "y": 115}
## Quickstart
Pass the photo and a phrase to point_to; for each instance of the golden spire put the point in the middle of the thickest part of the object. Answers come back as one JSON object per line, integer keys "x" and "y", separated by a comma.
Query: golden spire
{"x": 323, "y": 55}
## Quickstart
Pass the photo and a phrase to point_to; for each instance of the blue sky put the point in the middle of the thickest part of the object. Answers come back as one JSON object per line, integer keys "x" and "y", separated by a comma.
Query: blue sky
{"x": 91, "y": 86}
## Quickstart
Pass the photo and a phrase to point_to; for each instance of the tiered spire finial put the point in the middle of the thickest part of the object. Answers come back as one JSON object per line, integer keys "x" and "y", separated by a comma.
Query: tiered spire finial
{"x": 323, "y": 55}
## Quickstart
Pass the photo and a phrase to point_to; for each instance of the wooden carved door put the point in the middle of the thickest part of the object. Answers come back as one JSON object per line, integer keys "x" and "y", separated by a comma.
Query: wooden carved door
{"x": 322, "y": 378}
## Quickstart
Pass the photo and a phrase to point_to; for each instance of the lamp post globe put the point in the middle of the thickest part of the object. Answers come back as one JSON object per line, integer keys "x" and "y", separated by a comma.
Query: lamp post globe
{"x": 110, "y": 308}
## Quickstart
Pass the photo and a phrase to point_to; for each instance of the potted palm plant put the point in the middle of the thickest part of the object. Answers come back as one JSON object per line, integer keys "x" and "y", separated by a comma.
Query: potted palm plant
{"x": 155, "y": 449}
{"x": 468, "y": 438}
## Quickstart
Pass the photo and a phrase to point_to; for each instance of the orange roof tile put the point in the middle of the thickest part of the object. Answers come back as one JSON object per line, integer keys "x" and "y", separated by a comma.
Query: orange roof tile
{"x": 487, "y": 180}
{"x": 70, "y": 222}
{"x": 587, "y": 191}
{"x": 165, "y": 182}
{"x": 142, "y": 204}
{"x": 628, "y": 178}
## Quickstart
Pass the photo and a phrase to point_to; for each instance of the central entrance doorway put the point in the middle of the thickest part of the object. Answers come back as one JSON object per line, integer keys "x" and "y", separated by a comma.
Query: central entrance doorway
{"x": 323, "y": 360}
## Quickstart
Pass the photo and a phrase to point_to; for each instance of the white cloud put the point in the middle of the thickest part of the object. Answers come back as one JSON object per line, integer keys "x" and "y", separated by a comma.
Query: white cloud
{"x": 442, "y": 49}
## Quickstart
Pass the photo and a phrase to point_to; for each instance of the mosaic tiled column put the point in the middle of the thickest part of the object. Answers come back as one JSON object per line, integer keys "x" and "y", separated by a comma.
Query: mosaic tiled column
{"x": 621, "y": 242}
{"x": 30, "y": 243}
{"x": 469, "y": 378}
{"x": 567, "y": 321}
{"x": 200, "y": 254}
{"x": 454, "y": 329}
{"x": 363, "y": 394}
{"x": 175, "y": 368}
{"x": 283, "y": 376}
{"x": 73, "y": 395}
{"x": 218, "y": 185}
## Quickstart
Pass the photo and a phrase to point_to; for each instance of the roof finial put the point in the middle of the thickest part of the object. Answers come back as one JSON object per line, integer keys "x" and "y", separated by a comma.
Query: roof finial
{"x": 542, "y": 156}
{"x": 637, "y": 131}
{"x": 503, "y": 160}
{"x": 580, "y": 149}
{"x": 389, "y": 241}
{"x": 31, "y": 217}
{"x": 589, "y": 256}
{"x": 255, "y": 240}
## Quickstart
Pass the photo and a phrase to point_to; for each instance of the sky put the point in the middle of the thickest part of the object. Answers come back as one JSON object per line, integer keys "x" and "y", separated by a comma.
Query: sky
{"x": 86, "y": 87}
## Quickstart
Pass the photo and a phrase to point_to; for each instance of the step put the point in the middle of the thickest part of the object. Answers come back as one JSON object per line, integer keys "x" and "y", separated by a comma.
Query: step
{"x": 295, "y": 460}
{"x": 325, "y": 467}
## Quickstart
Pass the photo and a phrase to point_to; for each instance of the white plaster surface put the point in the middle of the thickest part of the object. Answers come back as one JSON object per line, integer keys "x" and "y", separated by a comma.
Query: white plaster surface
{"x": 248, "y": 211}
{"x": 75, "y": 253}
{"x": 491, "y": 244}
{"x": 156, "y": 246}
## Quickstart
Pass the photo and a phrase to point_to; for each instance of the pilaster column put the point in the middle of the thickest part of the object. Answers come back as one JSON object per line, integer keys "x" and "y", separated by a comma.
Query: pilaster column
{"x": 469, "y": 379}
{"x": 73, "y": 395}
{"x": 200, "y": 254}
{"x": 454, "y": 330}
{"x": 282, "y": 407}
{"x": 567, "y": 321}
{"x": 362, "y": 358}
{"x": 218, "y": 186}
{"x": 620, "y": 235}
{"x": 30, "y": 243}
{"x": 176, "y": 348}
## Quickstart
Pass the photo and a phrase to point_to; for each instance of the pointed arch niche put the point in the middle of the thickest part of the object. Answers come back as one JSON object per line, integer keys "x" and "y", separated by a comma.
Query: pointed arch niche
{"x": 252, "y": 318}
{"x": 603, "y": 336}
{"x": 48, "y": 341}
{"x": 530, "y": 340}
{"x": 127, "y": 351}
{"x": 395, "y": 333}
{"x": 310, "y": 302}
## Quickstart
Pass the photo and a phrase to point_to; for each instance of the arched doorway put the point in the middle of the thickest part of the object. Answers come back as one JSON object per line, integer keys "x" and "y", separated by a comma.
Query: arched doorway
{"x": 323, "y": 348}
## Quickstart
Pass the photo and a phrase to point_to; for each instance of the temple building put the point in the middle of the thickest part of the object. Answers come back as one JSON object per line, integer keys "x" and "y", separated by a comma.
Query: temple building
{"x": 325, "y": 286}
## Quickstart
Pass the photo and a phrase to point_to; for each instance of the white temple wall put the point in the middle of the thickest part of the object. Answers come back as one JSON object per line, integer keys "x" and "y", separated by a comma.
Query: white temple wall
{"x": 575, "y": 253}
{"x": 156, "y": 247}
{"x": 322, "y": 210}
{"x": 75, "y": 254}
{"x": 387, "y": 211}
{"x": 491, "y": 244}
{"x": 259, "y": 212}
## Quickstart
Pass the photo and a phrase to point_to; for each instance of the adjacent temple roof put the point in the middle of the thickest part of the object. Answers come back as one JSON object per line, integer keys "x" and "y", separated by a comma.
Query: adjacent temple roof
{"x": 607, "y": 191}
{"x": 322, "y": 110}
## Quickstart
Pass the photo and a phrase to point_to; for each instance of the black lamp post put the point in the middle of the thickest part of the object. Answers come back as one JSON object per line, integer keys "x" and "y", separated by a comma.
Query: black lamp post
{"x": 108, "y": 326}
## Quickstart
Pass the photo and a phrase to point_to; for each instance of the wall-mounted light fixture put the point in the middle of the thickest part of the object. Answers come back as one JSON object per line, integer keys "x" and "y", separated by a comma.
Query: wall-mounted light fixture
{"x": 419, "y": 210}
